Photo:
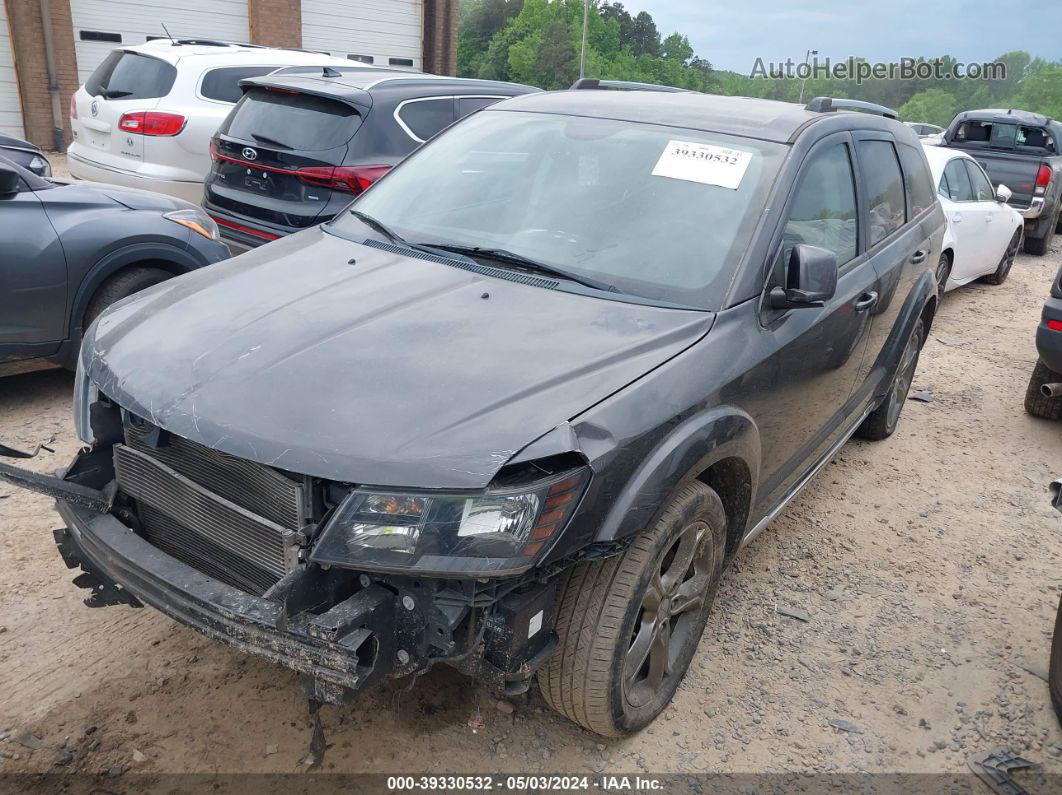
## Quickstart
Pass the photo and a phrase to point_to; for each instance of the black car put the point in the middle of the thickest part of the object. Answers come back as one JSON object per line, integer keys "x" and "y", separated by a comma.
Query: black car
{"x": 25, "y": 154}
{"x": 301, "y": 143}
{"x": 71, "y": 250}
{"x": 520, "y": 423}
{"x": 1043, "y": 397}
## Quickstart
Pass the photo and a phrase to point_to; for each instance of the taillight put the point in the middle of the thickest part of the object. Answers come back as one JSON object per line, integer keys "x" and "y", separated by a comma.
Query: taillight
{"x": 73, "y": 106}
{"x": 349, "y": 179}
{"x": 1043, "y": 179}
{"x": 152, "y": 122}
{"x": 1054, "y": 325}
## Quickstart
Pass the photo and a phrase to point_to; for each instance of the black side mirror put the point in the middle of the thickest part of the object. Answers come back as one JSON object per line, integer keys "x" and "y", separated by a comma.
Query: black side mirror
{"x": 810, "y": 279}
{"x": 9, "y": 181}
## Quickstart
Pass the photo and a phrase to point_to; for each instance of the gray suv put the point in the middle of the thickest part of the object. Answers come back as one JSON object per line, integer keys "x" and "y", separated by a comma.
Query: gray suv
{"x": 520, "y": 424}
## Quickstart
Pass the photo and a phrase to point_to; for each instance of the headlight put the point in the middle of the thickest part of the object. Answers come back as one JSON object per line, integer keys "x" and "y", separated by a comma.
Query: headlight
{"x": 498, "y": 532}
{"x": 39, "y": 166}
{"x": 196, "y": 220}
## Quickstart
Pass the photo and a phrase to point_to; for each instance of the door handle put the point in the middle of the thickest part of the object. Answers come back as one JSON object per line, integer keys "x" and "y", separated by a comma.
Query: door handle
{"x": 865, "y": 301}
{"x": 957, "y": 218}
{"x": 919, "y": 256}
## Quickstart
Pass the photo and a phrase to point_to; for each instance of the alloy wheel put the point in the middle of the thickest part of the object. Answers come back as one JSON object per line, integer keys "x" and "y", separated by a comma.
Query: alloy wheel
{"x": 901, "y": 385}
{"x": 672, "y": 602}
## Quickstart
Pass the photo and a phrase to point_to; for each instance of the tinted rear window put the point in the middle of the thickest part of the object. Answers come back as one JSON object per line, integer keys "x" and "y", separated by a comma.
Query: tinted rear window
{"x": 127, "y": 75}
{"x": 918, "y": 178}
{"x": 224, "y": 84}
{"x": 886, "y": 205}
{"x": 294, "y": 121}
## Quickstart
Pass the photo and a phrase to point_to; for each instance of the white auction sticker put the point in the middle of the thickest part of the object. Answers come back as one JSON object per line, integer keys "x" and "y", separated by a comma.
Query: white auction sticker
{"x": 705, "y": 163}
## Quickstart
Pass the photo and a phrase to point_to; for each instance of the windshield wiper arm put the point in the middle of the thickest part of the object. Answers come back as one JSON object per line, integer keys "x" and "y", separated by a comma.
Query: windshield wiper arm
{"x": 115, "y": 93}
{"x": 382, "y": 228}
{"x": 512, "y": 258}
{"x": 267, "y": 140}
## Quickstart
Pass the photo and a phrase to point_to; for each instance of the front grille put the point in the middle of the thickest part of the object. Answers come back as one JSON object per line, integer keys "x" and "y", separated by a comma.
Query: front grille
{"x": 259, "y": 489}
{"x": 232, "y": 519}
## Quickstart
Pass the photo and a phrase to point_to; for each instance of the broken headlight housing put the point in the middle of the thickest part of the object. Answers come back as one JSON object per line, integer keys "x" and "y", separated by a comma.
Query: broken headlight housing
{"x": 497, "y": 532}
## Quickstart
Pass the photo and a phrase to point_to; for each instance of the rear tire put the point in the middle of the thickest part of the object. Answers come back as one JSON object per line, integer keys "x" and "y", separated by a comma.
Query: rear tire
{"x": 881, "y": 422}
{"x": 1005, "y": 264}
{"x": 1037, "y": 403}
{"x": 629, "y": 625}
{"x": 1040, "y": 245}
{"x": 122, "y": 285}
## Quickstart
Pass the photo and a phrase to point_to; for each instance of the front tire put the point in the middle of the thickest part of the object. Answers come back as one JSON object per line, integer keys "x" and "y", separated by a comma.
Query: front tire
{"x": 1005, "y": 264}
{"x": 1054, "y": 671}
{"x": 881, "y": 422}
{"x": 1036, "y": 402}
{"x": 122, "y": 285}
{"x": 629, "y": 625}
{"x": 943, "y": 272}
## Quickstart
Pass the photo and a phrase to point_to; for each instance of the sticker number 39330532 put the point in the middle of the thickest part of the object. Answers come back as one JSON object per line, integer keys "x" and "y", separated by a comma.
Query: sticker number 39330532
{"x": 705, "y": 163}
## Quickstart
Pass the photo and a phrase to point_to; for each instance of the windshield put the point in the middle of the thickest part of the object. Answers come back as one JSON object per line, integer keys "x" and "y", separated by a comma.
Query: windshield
{"x": 658, "y": 212}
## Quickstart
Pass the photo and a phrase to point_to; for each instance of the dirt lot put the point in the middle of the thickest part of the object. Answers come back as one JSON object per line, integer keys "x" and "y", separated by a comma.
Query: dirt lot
{"x": 928, "y": 566}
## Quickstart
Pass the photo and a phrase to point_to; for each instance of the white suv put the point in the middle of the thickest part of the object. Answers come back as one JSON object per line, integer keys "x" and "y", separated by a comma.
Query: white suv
{"x": 145, "y": 117}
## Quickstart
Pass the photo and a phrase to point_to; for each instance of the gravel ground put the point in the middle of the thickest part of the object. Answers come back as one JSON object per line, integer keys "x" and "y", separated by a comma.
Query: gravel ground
{"x": 927, "y": 566}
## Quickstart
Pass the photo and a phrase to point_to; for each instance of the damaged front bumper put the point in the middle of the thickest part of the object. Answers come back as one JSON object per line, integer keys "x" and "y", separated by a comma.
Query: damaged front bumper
{"x": 341, "y": 638}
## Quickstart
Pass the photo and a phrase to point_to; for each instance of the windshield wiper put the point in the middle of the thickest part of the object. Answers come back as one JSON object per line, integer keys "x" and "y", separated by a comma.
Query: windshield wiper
{"x": 382, "y": 228}
{"x": 526, "y": 263}
{"x": 267, "y": 140}
{"x": 114, "y": 94}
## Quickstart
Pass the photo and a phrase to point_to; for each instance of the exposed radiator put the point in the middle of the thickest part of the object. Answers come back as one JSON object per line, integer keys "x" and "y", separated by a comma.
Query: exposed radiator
{"x": 216, "y": 513}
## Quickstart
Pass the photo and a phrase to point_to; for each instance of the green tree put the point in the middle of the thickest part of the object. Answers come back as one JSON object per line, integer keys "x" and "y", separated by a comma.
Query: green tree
{"x": 933, "y": 106}
{"x": 677, "y": 48}
{"x": 1041, "y": 90}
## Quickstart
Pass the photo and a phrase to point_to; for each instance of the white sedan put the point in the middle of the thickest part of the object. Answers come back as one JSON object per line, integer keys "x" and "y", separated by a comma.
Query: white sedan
{"x": 983, "y": 233}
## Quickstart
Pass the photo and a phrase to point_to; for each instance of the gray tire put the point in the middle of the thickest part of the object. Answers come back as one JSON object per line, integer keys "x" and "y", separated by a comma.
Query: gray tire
{"x": 629, "y": 625}
{"x": 121, "y": 285}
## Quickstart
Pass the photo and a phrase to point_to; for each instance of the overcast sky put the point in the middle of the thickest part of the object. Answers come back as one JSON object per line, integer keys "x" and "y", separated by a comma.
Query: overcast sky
{"x": 732, "y": 34}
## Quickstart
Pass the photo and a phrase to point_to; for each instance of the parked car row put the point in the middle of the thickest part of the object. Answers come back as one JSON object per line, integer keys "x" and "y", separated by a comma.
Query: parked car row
{"x": 514, "y": 408}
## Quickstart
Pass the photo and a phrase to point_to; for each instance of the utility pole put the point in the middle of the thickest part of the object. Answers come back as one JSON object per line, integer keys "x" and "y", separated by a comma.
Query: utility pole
{"x": 582, "y": 52}
{"x": 807, "y": 57}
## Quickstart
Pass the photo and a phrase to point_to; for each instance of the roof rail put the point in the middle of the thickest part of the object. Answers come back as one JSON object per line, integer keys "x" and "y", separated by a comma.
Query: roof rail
{"x": 620, "y": 85}
{"x": 206, "y": 42}
{"x": 829, "y": 104}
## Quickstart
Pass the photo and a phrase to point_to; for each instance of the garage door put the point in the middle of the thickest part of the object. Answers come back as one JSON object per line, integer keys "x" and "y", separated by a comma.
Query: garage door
{"x": 380, "y": 32}
{"x": 10, "y": 107}
{"x": 102, "y": 25}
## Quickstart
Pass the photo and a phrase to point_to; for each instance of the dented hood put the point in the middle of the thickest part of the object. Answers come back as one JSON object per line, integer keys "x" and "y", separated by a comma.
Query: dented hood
{"x": 389, "y": 370}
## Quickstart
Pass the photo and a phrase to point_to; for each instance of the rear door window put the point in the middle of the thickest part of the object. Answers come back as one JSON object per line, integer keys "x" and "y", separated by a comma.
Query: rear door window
{"x": 129, "y": 75}
{"x": 957, "y": 181}
{"x": 423, "y": 118}
{"x": 886, "y": 206}
{"x": 917, "y": 178}
{"x": 224, "y": 84}
{"x": 982, "y": 188}
{"x": 282, "y": 120}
